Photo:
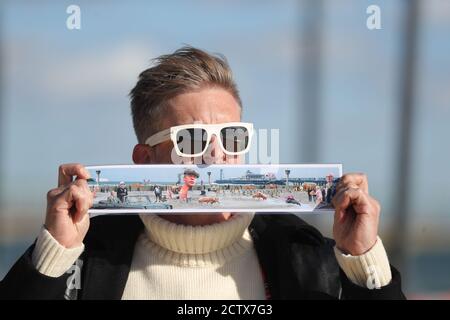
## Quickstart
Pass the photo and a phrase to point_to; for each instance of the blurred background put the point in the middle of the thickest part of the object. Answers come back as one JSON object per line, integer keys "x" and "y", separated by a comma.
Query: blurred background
{"x": 377, "y": 101}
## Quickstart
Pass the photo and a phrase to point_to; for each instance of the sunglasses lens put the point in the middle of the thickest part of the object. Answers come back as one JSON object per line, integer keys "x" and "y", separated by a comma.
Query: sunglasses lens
{"x": 235, "y": 139}
{"x": 192, "y": 141}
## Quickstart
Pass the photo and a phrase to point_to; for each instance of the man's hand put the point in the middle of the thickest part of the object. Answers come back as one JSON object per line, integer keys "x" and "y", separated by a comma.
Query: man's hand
{"x": 67, "y": 219}
{"x": 356, "y": 215}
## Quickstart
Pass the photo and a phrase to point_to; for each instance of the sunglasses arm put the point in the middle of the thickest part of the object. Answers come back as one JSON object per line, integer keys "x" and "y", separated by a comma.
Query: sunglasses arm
{"x": 158, "y": 138}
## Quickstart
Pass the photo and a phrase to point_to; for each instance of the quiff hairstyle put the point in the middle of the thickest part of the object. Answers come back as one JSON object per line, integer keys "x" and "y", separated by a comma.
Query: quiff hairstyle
{"x": 187, "y": 69}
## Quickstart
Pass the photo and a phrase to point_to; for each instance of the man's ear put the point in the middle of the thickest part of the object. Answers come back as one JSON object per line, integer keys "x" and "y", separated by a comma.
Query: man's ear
{"x": 142, "y": 154}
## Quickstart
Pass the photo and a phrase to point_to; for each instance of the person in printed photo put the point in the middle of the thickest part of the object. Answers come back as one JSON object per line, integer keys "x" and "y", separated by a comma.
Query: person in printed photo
{"x": 122, "y": 192}
{"x": 189, "y": 179}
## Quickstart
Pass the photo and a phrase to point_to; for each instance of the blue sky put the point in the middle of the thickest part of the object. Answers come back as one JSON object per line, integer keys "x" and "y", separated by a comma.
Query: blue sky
{"x": 65, "y": 92}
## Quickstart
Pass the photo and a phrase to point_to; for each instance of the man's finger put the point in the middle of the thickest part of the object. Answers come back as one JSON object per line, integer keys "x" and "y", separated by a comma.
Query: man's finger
{"x": 68, "y": 171}
{"x": 359, "y": 179}
{"x": 82, "y": 203}
{"x": 340, "y": 200}
{"x": 346, "y": 186}
{"x": 352, "y": 197}
{"x": 77, "y": 201}
{"x": 84, "y": 187}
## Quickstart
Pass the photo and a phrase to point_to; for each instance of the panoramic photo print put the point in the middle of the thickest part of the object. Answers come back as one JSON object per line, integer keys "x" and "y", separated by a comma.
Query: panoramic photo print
{"x": 215, "y": 188}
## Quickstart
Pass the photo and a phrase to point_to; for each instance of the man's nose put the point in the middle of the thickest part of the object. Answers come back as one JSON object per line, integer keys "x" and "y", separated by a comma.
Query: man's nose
{"x": 214, "y": 153}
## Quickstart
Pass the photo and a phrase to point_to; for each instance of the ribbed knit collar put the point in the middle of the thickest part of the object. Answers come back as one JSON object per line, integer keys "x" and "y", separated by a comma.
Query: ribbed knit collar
{"x": 198, "y": 245}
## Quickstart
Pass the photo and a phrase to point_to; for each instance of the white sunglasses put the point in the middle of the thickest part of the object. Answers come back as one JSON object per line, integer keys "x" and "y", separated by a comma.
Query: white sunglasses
{"x": 192, "y": 140}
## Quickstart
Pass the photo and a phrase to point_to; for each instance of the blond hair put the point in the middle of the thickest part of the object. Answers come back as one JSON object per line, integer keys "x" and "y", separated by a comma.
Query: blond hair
{"x": 187, "y": 69}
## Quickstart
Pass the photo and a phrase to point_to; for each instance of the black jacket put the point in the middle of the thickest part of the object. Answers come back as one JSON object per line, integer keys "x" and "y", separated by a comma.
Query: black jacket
{"x": 299, "y": 263}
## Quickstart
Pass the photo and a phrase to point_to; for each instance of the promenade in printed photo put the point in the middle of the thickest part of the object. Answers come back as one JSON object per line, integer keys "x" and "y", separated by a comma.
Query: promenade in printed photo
{"x": 217, "y": 188}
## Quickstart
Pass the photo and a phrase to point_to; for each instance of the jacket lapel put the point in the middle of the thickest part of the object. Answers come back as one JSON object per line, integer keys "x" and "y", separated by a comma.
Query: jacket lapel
{"x": 109, "y": 252}
{"x": 297, "y": 260}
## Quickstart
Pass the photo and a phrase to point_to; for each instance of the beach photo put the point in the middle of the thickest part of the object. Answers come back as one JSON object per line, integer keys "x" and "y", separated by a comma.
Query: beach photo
{"x": 165, "y": 189}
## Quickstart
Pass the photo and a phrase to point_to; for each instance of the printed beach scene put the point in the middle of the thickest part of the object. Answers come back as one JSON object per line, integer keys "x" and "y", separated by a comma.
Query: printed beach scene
{"x": 165, "y": 189}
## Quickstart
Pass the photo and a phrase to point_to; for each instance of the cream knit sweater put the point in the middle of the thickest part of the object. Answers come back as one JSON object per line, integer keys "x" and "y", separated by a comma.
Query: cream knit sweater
{"x": 218, "y": 261}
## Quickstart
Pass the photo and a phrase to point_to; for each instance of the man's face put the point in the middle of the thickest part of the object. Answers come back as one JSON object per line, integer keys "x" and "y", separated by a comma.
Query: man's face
{"x": 189, "y": 180}
{"x": 207, "y": 106}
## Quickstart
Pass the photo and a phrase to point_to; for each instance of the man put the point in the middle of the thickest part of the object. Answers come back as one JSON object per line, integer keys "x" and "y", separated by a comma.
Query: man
{"x": 195, "y": 256}
{"x": 189, "y": 178}
{"x": 122, "y": 192}
{"x": 331, "y": 191}
{"x": 324, "y": 193}
{"x": 157, "y": 192}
